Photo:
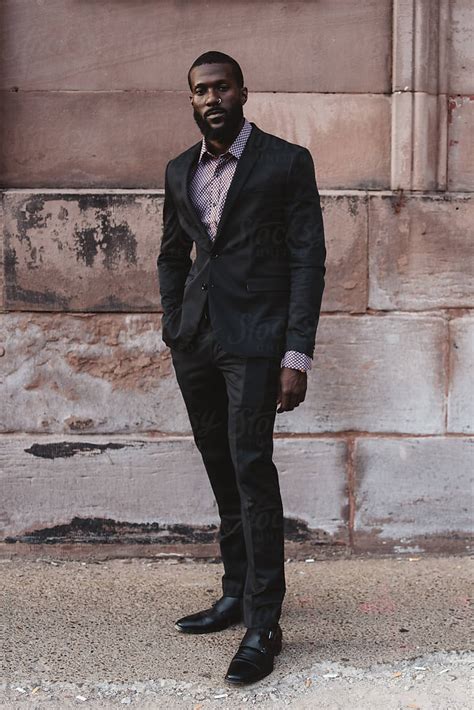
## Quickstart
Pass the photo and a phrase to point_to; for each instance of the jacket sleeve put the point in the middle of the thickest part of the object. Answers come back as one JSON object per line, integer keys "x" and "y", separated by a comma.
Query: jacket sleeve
{"x": 307, "y": 253}
{"x": 174, "y": 261}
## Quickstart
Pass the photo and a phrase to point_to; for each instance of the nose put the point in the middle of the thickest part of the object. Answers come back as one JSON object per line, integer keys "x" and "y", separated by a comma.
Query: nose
{"x": 212, "y": 99}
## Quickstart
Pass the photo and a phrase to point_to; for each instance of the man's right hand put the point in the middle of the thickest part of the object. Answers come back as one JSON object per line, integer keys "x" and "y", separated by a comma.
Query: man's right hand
{"x": 291, "y": 389}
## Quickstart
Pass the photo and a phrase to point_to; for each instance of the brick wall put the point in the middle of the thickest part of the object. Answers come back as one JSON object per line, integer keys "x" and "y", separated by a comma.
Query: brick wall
{"x": 94, "y": 439}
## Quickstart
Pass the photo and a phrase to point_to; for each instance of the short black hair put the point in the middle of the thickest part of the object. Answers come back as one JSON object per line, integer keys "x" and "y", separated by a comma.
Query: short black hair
{"x": 214, "y": 57}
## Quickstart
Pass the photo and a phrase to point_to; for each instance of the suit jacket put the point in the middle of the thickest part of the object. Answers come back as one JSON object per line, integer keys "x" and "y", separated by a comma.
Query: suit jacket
{"x": 263, "y": 276}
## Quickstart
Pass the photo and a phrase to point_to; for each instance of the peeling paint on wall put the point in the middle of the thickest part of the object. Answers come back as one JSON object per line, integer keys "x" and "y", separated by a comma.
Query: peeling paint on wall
{"x": 109, "y": 531}
{"x": 64, "y": 449}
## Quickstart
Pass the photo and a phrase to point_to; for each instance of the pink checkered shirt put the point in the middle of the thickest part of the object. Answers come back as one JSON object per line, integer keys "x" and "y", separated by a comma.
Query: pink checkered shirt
{"x": 208, "y": 191}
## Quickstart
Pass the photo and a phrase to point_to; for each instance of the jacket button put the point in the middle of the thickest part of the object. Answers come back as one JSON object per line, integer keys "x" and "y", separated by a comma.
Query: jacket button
{"x": 204, "y": 286}
{"x": 214, "y": 256}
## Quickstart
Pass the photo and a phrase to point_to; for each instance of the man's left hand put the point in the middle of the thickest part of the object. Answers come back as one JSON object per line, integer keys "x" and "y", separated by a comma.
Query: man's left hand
{"x": 291, "y": 389}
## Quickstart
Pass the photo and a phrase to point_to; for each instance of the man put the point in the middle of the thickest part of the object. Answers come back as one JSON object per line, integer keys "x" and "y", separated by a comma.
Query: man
{"x": 241, "y": 323}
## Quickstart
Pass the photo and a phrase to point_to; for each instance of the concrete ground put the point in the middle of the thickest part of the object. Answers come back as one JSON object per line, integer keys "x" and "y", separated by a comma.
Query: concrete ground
{"x": 357, "y": 633}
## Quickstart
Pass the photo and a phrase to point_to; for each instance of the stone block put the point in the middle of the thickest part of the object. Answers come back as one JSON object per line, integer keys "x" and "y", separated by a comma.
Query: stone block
{"x": 420, "y": 251}
{"x": 125, "y": 139}
{"x": 106, "y": 45}
{"x": 461, "y": 369}
{"x": 92, "y": 139}
{"x": 460, "y": 143}
{"x": 82, "y": 252}
{"x": 461, "y": 47}
{"x": 110, "y": 241}
{"x": 48, "y": 482}
{"x": 411, "y": 488}
{"x": 346, "y": 228}
{"x": 113, "y": 374}
{"x": 347, "y": 134}
{"x": 87, "y": 373}
{"x": 375, "y": 373}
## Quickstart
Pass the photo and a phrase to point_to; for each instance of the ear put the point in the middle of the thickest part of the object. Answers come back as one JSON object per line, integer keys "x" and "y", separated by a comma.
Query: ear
{"x": 244, "y": 94}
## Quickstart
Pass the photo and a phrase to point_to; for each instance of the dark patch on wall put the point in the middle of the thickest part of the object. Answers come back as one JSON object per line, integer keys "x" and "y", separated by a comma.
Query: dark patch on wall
{"x": 354, "y": 202}
{"x": 97, "y": 202}
{"x": 99, "y": 530}
{"x": 111, "y": 303}
{"x": 113, "y": 242}
{"x": 102, "y": 202}
{"x": 443, "y": 197}
{"x": 398, "y": 201}
{"x": 298, "y": 531}
{"x": 108, "y": 531}
{"x": 31, "y": 216}
{"x": 65, "y": 449}
{"x": 86, "y": 241}
{"x": 16, "y": 293}
{"x": 63, "y": 214}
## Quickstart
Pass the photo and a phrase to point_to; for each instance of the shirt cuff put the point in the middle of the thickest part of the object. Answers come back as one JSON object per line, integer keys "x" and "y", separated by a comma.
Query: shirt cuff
{"x": 297, "y": 361}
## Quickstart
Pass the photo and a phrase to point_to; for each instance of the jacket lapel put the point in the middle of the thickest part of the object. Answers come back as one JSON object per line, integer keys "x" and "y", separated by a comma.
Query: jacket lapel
{"x": 244, "y": 166}
{"x": 190, "y": 161}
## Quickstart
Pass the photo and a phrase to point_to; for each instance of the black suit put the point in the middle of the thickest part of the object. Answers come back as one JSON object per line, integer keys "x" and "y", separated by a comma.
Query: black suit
{"x": 252, "y": 294}
{"x": 263, "y": 276}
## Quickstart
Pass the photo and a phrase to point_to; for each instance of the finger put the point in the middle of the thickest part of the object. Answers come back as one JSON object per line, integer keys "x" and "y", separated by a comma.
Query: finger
{"x": 287, "y": 402}
{"x": 282, "y": 402}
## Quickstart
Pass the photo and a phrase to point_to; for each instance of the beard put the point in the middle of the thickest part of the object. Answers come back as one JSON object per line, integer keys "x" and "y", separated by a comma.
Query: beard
{"x": 231, "y": 121}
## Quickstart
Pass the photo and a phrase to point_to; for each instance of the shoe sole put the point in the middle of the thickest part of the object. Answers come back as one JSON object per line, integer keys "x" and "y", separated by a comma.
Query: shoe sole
{"x": 206, "y": 631}
{"x": 247, "y": 682}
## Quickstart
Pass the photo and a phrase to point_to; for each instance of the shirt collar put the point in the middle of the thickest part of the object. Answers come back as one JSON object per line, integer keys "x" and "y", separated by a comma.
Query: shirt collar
{"x": 237, "y": 147}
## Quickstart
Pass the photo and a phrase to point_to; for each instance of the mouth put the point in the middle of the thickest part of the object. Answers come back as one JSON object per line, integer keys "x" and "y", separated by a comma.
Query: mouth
{"x": 214, "y": 114}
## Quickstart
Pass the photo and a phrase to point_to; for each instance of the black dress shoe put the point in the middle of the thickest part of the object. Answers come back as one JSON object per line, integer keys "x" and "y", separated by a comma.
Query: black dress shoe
{"x": 226, "y": 611}
{"x": 254, "y": 659}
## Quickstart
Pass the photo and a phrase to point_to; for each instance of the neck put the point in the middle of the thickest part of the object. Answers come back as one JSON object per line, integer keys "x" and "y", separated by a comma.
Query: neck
{"x": 218, "y": 147}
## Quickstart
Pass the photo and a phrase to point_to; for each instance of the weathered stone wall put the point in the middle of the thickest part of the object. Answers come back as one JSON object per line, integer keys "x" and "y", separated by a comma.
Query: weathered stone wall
{"x": 94, "y": 438}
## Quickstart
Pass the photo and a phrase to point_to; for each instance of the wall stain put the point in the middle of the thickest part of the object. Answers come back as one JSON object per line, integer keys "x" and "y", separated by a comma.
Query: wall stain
{"x": 65, "y": 449}
{"x": 109, "y": 531}
{"x": 354, "y": 204}
{"x": 113, "y": 241}
{"x": 63, "y": 214}
{"x": 30, "y": 215}
{"x": 398, "y": 200}
{"x": 16, "y": 293}
{"x": 100, "y": 530}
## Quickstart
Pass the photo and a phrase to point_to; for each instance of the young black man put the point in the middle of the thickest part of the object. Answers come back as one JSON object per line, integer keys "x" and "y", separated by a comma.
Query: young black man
{"x": 241, "y": 324}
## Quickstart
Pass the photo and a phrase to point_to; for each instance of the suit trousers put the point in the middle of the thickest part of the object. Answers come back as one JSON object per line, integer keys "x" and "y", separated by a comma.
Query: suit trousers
{"x": 231, "y": 403}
